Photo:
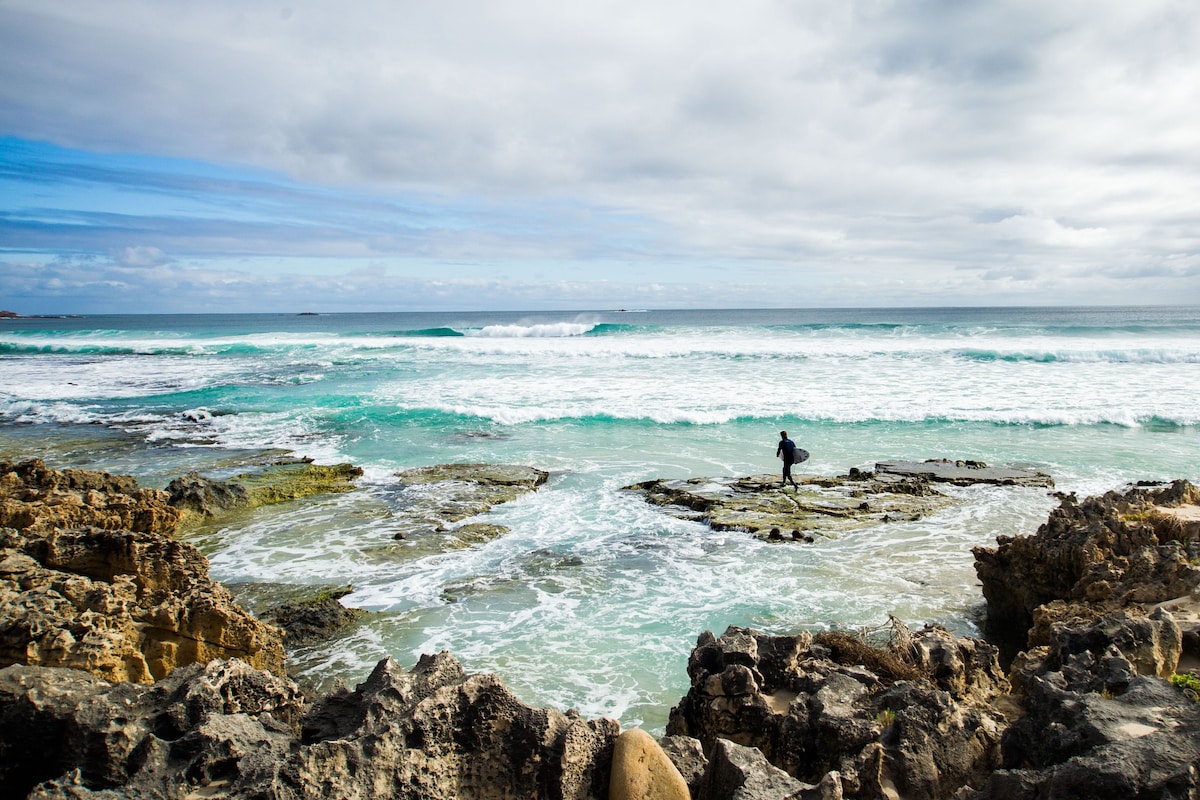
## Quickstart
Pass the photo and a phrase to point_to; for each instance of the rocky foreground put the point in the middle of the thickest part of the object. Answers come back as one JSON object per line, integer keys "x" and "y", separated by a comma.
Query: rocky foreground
{"x": 119, "y": 680}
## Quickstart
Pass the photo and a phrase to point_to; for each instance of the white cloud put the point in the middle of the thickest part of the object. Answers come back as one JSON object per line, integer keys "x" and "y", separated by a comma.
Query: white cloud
{"x": 858, "y": 138}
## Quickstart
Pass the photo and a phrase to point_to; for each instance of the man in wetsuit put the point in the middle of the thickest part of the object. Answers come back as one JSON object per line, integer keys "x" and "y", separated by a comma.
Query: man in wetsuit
{"x": 787, "y": 449}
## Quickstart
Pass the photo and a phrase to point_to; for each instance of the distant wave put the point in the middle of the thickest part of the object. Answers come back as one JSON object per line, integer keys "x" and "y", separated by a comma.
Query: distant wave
{"x": 69, "y": 347}
{"x": 1047, "y": 419}
{"x": 552, "y": 330}
{"x": 1117, "y": 356}
{"x": 435, "y": 332}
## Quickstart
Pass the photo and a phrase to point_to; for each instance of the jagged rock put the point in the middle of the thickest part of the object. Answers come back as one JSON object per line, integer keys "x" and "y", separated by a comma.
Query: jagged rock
{"x": 316, "y": 618}
{"x": 902, "y": 720}
{"x": 743, "y": 773}
{"x": 67, "y": 726}
{"x": 1143, "y": 742}
{"x": 641, "y": 770}
{"x": 896, "y": 491}
{"x": 121, "y": 604}
{"x": 225, "y": 730}
{"x": 35, "y": 497}
{"x": 435, "y": 497}
{"x": 687, "y": 754}
{"x": 1096, "y": 556}
{"x": 1088, "y": 596}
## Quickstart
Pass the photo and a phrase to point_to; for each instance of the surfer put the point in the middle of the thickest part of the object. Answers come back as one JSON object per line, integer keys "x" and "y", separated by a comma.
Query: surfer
{"x": 787, "y": 449}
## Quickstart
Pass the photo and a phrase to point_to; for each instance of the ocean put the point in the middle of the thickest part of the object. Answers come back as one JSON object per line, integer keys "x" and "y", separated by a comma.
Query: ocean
{"x": 594, "y": 598}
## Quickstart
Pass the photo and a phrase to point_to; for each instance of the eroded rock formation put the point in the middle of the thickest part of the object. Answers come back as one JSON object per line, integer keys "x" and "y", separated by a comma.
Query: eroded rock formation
{"x": 90, "y": 579}
{"x": 1090, "y": 558}
{"x": 227, "y": 730}
{"x": 917, "y": 719}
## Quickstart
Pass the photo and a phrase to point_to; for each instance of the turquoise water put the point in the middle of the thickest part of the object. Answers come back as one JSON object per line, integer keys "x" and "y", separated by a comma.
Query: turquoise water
{"x": 594, "y": 598}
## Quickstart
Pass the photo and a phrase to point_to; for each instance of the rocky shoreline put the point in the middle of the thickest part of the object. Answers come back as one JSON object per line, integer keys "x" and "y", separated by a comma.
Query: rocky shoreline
{"x": 128, "y": 672}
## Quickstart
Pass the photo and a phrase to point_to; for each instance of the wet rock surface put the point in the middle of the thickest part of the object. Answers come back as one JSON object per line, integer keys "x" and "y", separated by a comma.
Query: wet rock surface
{"x": 313, "y": 619}
{"x": 824, "y": 506}
{"x": 434, "y": 498}
{"x": 201, "y": 497}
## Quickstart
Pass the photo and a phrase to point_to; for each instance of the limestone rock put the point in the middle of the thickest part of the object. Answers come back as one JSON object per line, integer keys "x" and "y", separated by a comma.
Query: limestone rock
{"x": 687, "y": 754}
{"x": 33, "y": 496}
{"x": 123, "y": 604}
{"x": 743, "y": 773}
{"x": 916, "y": 717}
{"x": 962, "y": 473}
{"x": 1096, "y": 557}
{"x": 67, "y": 726}
{"x": 641, "y": 770}
{"x": 436, "y": 497}
{"x": 896, "y": 491}
{"x": 1143, "y": 742}
{"x": 227, "y": 730}
{"x": 201, "y": 497}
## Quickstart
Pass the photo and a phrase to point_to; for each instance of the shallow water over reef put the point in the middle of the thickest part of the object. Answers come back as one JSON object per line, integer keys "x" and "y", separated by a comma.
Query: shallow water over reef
{"x": 594, "y": 597}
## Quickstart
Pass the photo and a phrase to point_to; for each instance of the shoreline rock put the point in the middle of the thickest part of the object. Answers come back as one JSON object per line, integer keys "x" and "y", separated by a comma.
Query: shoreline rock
{"x": 227, "y": 730}
{"x": 437, "y": 497}
{"x": 90, "y": 579}
{"x": 822, "y": 506}
{"x": 199, "y": 497}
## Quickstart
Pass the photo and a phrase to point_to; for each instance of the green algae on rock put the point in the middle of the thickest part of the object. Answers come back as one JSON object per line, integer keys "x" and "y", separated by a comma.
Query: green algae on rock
{"x": 276, "y": 482}
{"x": 825, "y": 506}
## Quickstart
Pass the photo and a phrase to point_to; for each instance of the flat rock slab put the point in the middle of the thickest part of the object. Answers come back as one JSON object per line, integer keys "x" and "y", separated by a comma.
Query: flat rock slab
{"x": 820, "y": 506}
{"x": 962, "y": 473}
{"x": 201, "y": 498}
{"x": 438, "y": 496}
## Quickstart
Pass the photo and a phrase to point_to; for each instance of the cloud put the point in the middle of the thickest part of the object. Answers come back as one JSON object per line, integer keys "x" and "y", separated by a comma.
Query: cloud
{"x": 140, "y": 257}
{"x": 788, "y": 143}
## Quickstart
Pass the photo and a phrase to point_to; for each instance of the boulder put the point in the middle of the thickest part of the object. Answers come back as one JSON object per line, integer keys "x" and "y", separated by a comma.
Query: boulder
{"x": 641, "y": 770}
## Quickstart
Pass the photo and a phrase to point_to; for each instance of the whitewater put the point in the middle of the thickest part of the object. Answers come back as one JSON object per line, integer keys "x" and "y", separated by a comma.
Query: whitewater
{"x": 594, "y": 598}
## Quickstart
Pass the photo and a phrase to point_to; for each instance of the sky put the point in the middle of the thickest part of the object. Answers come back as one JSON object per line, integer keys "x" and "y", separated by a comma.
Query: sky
{"x": 390, "y": 155}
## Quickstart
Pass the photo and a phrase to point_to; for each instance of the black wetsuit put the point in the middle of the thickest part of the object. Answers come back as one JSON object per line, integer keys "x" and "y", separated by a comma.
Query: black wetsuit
{"x": 788, "y": 448}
